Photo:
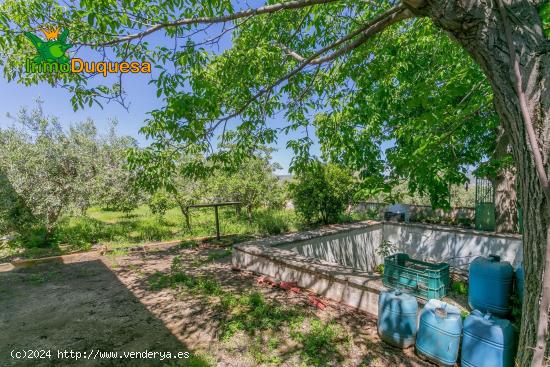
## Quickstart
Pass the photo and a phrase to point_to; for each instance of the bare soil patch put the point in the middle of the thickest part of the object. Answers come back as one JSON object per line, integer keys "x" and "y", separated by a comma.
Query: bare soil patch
{"x": 116, "y": 304}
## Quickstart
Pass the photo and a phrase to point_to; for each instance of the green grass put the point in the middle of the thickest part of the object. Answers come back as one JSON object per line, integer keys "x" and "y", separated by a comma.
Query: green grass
{"x": 248, "y": 312}
{"x": 196, "y": 359}
{"x": 118, "y": 230}
{"x": 40, "y": 278}
{"x": 142, "y": 226}
{"x": 267, "y": 323}
{"x": 320, "y": 342}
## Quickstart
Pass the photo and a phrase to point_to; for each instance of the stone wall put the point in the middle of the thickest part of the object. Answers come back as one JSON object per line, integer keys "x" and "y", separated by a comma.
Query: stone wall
{"x": 464, "y": 216}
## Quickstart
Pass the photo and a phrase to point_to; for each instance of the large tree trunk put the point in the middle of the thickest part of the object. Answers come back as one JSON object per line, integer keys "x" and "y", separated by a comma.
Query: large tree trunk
{"x": 506, "y": 213}
{"x": 506, "y": 217}
{"x": 478, "y": 26}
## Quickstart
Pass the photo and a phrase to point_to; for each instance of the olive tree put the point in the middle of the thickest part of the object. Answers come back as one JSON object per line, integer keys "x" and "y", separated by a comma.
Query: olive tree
{"x": 172, "y": 172}
{"x": 252, "y": 182}
{"x": 47, "y": 171}
{"x": 45, "y": 168}
{"x": 114, "y": 187}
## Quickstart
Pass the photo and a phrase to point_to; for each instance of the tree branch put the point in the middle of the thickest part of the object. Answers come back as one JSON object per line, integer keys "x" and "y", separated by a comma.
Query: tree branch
{"x": 376, "y": 25}
{"x": 528, "y": 124}
{"x": 296, "y": 4}
{"x": 363, "y": 34}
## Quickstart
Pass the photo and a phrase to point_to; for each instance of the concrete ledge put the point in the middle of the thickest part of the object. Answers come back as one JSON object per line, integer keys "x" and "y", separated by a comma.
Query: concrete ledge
{"x": 315, "y": 233}
{"x": 342, "y": 284}
{"x": 63, "y": 259}
{"x": 84, "y": 255}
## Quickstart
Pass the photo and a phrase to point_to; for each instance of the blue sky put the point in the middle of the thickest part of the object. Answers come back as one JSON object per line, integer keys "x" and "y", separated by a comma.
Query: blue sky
{"x": 141, "y": 98}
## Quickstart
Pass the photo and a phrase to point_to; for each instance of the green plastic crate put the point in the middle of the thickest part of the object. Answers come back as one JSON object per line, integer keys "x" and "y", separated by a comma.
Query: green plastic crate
{"x": 423, "y": 279}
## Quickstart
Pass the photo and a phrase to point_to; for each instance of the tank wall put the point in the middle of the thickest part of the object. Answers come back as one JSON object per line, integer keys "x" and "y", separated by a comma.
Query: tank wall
{"x": 355, "y": 249}
{"x": 358, "y": 248}
{"x": 456, "y": 246}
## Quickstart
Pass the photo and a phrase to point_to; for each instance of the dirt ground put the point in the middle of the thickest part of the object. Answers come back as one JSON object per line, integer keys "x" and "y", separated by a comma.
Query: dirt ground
{"x": 108, "y": 304}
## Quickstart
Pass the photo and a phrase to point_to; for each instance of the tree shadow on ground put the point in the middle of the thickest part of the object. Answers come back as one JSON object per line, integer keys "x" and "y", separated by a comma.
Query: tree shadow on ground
{"x": 80, "y": 307}
{"x": 183, "y": 297}
{"x": 213, "y": 305}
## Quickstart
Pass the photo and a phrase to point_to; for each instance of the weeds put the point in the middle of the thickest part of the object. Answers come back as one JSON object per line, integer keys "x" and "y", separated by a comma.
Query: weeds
{"x": 251, "y": 313}
{"x": 40, "y": 278}
{"x": 386, "y": 249}
{"x": 199, "y": 285}
{"x": 189, "y": 244}
{"x": 262, "y": 320}
{"x": 459, "y": 287}
{"x": 196, "y": 359}
{"x": 320, "y": 342}
{"x": 265, "y": 352}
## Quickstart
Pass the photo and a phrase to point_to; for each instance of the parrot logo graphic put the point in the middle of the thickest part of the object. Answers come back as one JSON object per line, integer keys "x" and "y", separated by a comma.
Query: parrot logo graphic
{"x": 53, "y": 49}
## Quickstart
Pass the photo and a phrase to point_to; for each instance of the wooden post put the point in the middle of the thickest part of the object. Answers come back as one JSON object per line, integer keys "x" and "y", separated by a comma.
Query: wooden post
{"x": 216, "y": 213}
{"x": 217, "y": 222}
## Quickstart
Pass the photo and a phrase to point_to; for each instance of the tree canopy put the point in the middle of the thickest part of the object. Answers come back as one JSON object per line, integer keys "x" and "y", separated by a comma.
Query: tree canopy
{"x": 322, "y": 192}
{"x": 411, "y": 113}
{"x": 421, "y": 103}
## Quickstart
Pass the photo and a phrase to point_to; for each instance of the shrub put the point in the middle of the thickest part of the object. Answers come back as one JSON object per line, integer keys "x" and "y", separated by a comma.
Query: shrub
{"x": 321, "y": 192}
{"x": 459, "y": 287}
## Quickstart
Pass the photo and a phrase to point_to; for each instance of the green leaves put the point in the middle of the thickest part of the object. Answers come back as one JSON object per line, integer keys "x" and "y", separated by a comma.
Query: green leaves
{"x": 410, "y": 113}
{"x": 48, "y": 172}
{"x": 320, "y": 192}
{"x": 544, "y": 12}
{"x": 406, "y": 105}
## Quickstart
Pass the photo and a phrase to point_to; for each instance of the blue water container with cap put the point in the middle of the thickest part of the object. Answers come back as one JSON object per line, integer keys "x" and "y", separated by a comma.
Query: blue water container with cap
{"x": 397, "y": 313}
{"x": 490, "y": 285}
{"x": 487, "y": 341}
{"x": 439, "y": 329}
